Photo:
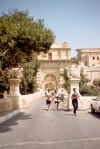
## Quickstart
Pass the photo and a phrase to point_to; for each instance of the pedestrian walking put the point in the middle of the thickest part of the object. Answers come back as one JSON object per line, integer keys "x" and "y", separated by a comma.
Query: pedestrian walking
{"x": 56, "y": 99}
{"x": 48, "y": 96}
{"x": 75, "y": 96}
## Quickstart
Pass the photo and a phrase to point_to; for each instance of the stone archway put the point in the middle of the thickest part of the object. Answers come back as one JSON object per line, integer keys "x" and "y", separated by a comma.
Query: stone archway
{"x": 50, "y": 81}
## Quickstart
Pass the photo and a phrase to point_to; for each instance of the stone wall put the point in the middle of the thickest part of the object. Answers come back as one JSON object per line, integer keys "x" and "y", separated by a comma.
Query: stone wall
{"x": 6, "y": 105}
{"x": 86, "y": 102}
{"x": 9, "y": 104}
{"x": 26, "y": 99}
{"x": 66, "y": 102}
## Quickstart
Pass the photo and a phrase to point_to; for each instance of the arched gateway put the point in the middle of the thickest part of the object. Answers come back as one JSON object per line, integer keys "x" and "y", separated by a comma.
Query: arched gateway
{"x": 50, "y": 81}
{"x": 52, "y": 65}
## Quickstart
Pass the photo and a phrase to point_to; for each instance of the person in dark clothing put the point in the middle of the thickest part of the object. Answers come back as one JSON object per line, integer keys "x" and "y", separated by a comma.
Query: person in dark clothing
{"x": 75, "y": 96}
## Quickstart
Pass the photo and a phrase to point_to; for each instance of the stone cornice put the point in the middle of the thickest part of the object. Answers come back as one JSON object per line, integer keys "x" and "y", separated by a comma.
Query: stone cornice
{"x": 88, "y": 50}
{"x": 53, "y": 60}
{"x": 61, "y": 45}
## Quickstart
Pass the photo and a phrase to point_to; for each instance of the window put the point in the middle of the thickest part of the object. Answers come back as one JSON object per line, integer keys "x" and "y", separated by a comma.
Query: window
{"x": 49, "y": 56}
{"x": 97, "y": 58}
{"x": 85, "y": 63}
{"x": 93, "y": 58}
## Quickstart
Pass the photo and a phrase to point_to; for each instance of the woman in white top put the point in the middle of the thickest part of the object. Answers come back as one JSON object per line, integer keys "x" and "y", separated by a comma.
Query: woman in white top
{"x": 56, "y": 99}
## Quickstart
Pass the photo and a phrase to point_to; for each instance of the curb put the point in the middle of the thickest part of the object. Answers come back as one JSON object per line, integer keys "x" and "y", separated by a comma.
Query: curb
{"x": 8, "y": 116}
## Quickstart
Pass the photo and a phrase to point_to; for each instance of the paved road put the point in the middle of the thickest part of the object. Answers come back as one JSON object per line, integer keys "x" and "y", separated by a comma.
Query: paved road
{"x": 37, "y": 128}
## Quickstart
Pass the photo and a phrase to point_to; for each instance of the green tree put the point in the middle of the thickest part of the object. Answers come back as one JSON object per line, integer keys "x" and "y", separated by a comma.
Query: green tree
{"x": 74, "y": 60}
{"x": 85, "y": 89}
{"x": 28, "y": 81}
{"x": 20, "y": 35}
{"x": 4, "y": 84}
{"x": 66, "y": 85}
{"x": 96, "y": 84}
{"x": 83, "y": 79}
{"x": 21, "y": 38}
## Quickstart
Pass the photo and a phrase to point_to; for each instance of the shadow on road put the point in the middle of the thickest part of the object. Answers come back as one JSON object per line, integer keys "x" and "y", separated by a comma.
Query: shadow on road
{"x": 5, "y": 126}
{"x": 96, "y": 114}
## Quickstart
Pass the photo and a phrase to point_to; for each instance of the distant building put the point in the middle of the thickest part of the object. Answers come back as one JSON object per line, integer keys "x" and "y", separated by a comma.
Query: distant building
{"x": 58, "y": 57}
{"x": 89, "y": 60}
{"x": 88, "y": 56}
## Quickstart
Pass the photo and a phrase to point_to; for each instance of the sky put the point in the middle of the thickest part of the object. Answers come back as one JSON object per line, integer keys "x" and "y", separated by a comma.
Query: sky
{"x": 74, "y": 21}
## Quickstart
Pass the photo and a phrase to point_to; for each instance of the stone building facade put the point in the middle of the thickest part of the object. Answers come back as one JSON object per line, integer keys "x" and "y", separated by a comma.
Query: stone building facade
{"x": 58, "y": 57}
{"x": 52, "y": 65}
{"x": 89, "y": 56}
{"x": 89, "y": 61}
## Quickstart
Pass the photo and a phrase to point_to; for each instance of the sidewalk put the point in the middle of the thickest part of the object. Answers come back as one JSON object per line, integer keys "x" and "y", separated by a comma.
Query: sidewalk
{"x": 7, "y": 115}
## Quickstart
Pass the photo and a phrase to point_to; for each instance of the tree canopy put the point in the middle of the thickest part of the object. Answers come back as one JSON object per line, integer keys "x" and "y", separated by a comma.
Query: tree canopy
{"x": 96, "y": 83}
{"x": 20, "y": 35}
{"x": 66, "y": 84}
{"x": 28, "y": 82}
{"x": 85, "y": 88}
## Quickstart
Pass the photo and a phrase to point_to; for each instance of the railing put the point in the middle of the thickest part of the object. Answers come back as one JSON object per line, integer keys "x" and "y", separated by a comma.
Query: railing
{"x": 7, "y": 104}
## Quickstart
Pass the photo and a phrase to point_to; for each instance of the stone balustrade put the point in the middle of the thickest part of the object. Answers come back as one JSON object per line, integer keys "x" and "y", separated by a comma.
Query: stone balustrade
{"x": 8, "y": 104}
{"x": 66, "y": 102}
{"x": 86, "y": 102}
{"x": 26, "y": 99}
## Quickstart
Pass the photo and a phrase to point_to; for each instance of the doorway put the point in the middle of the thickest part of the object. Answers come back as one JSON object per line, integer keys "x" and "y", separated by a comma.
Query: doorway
{"x": 50, "y": 81}
{"x": 50, "y": 86}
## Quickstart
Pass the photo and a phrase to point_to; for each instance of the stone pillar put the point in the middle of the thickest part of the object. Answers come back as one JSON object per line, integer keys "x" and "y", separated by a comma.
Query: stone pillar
{"x": 74, "y": 83}
{"x": 66, "y": 102}
{"x": 14, "y": 87}
{"x": 39, "y": 79}
{"x": 14, "y": 93}
{"x": 88, "y": 60}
